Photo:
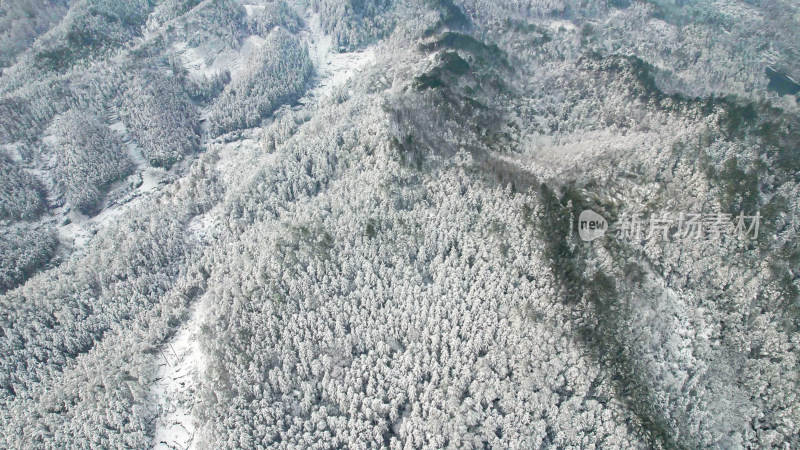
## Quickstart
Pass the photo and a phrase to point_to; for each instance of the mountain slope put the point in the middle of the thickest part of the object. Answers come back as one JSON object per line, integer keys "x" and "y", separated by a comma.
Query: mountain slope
{"x": 277, "y": 245}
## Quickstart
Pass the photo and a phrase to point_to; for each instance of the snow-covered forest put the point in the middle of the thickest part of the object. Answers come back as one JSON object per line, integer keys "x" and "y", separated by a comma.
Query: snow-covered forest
{"x": 353, "y": 224}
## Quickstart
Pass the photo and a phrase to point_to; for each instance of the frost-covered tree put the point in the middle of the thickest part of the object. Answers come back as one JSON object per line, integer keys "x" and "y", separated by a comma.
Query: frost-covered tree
{"x": 23, "y": 251}
{"x": 160, "y": 117}
{"x": 21, "y": 194}
{"x": 274, "y": 14}
{"x": 353, "y": 24}
{"x": 22, "y": 22}
{"x": 89, "y": 156}
{"x": 90, "y": 28}
{"x": 277, "y": 74}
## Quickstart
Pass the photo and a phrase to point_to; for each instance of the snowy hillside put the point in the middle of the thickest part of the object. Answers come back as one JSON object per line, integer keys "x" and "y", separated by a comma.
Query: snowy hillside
{"x": 399, "y": 224}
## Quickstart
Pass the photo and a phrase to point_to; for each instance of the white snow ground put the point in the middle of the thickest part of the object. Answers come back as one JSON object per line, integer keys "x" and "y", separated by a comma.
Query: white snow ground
{"x": 194, "y": 59}
{"x": 333, "y": 68}
{"x": 177, "y": 377}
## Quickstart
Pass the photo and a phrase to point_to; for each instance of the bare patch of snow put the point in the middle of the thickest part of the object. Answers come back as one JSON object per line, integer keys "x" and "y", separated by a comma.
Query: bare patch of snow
{"x": 203, "y": 227}
{"x": 173, "y": 391}
{"x": 13, "y": 152}
{"x": 333, "y": 68}
{"x": 196, "y": 60}
{"x": 231, "y": 155}
{"x": 252, "y": 10}
{"x": 562, "y": 25}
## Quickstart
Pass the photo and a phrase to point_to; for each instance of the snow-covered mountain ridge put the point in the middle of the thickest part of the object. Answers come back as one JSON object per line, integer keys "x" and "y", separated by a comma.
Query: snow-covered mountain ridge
{"x": 336, "y": 223}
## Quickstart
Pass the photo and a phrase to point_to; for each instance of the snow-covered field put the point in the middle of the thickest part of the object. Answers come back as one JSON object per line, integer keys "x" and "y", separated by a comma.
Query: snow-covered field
{"x": 176, "y": 380}
{"x": 196, "y": 59}
{"x": 333, "y": 68}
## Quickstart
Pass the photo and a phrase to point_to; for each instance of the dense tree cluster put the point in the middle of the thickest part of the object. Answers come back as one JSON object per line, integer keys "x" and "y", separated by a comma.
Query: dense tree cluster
{"x": 90, "y": 27}
{"x": 23, "y": 251}
{"x": 29, "y": 100}
{"x": 168, "y": 10}
{"x": 89, "y": 156}
{"x": 21, "y": 22}
{"x": 220, "y": 25}
{"x": 353, "y": 24}
{"x": 276, "y": 74}
{"x": 206, "y": 88}
{"x": 679, "y": 351}
{"x": 160, "y": 117}
{"x": 682, "y": 155}
{"x": 286, "y": 124}
{"x": 225, "y": 20}
{"x": 17, "y": 121}
{"x": 275, "y": 14}
{"x": 21, "y": 194}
